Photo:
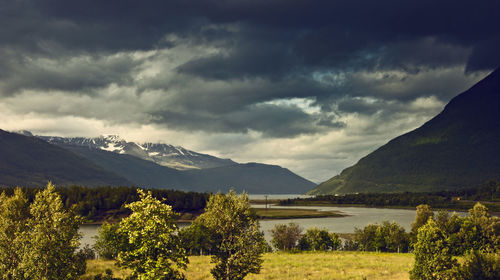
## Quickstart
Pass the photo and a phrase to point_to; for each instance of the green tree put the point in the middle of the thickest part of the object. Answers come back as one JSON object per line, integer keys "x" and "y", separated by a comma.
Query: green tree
{"x": 433, "y": 258}
{"x": 237, "y": 242}
{"x": 424, "y": 212}
{"x": 366, "y": 237}
{"x": 196, "y": 239}
{"x": 14, "y": 213}
{"x": 52, "y": 239}
{"x": 480, "y": 265}
{"x": 286, "y": 237}
{"x": 386, "y": 237}
{"x": 391, "y": 237}
{"x": 110, "y": 241}
{"x": 478, "y": 231}
{"x": 452, "y": 227}
{"x": 319, "y": 240}
{"x": 154, "y": 250}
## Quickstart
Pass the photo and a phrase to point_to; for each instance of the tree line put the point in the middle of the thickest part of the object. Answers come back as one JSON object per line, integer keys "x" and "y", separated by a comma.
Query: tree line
{"x": 107, "y": 202}
{"x": 458, "y": 199}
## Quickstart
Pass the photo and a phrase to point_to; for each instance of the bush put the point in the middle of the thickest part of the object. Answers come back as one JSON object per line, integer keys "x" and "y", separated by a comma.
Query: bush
{"x": 480, "y": 265}
{"x": 319, "y": 240}
{"x": 286, "y": 237}
{"x": 196, "y": 239}
{"x": 86, "y": 253}
{"x": 110, "y": 241}
{"x": 387, "y": 237}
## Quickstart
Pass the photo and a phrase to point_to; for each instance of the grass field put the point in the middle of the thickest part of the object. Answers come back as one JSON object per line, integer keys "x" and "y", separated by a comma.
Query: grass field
{"x": 313, "y": 265}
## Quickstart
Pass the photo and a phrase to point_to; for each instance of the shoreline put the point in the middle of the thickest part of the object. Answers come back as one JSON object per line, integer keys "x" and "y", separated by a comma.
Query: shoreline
{"x": 262, "y": 214}
{"x": 451, "y": 209}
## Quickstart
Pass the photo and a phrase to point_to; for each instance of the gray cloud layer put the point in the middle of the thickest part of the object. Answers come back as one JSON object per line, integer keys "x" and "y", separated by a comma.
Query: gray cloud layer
{"x": 281, "y": 69}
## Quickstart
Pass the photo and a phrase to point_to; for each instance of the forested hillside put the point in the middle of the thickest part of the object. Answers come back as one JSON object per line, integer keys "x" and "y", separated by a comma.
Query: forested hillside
{"x": 456, "y": 149}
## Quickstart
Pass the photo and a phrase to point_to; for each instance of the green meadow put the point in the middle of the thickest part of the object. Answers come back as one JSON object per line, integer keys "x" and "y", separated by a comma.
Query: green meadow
{"x": 297, "y": 266}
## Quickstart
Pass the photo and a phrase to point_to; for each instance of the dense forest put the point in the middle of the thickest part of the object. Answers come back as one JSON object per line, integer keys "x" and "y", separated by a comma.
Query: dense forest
{"x": 459, "y": 199}
{"x": 104, "y": 203}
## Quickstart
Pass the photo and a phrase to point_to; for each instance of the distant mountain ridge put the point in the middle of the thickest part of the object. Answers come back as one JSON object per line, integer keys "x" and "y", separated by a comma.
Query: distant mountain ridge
{"x": 458, "y": 148}
{"x": 163, "y": 154}
{"x": 119, "y": 157}
{"x": 29, "y": 161}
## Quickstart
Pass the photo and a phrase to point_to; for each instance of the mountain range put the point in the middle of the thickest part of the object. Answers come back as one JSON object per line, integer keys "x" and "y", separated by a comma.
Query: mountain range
{"x": 140, "y": 164}
{"x": 458, "y": 148}
{"x": 162, "y": 154}
{"x": 29, "y": 161}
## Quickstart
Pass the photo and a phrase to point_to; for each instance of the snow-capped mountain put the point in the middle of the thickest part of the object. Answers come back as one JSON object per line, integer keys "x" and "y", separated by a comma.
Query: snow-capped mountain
{"x": 110, "y": 160}
{"x": 163, "y": 154}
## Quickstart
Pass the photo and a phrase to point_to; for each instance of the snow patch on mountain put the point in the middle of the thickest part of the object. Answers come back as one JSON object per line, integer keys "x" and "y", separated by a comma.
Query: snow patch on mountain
{"x": 164, "y": 154}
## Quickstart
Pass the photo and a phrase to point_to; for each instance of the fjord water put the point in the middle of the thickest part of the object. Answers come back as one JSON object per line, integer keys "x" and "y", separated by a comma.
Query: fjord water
{"x": 357, "y": 217}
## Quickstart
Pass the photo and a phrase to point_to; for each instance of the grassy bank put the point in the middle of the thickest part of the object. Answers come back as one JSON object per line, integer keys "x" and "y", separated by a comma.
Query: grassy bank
{"x": 262, "y": 214}
{"x": 313, "y": 265}
{"x": 294, "y": 213}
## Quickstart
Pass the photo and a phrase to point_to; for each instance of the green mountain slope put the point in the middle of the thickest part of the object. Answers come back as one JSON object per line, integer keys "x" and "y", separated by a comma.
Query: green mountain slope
{"x": 458, "y": 148}
{"x": 29, "y": 161}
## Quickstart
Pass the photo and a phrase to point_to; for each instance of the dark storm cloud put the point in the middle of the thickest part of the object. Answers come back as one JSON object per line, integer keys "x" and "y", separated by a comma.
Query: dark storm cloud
{"x": 324, "y": 31}
{"x": 262, "y": 50}
{"x": 223, "y": 97}
{"x": 271, "y": 120}
{"x": 79, "y": 74}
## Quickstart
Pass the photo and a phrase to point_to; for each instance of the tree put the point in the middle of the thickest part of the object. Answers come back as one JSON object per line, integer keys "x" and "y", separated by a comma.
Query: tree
{"x": 366, "y": 237}
{"x": 196, "y": 239}
{"x": 14, "y": 213}
{"x": 487, "y": 227}
{"x": 433, "y": 258}
{"x": 52, "y": 239}
{"x": 110, "y": 241}
{"x": 452, "y": 225}
{"x": 286, "y": 237}
{"x": 391, "y": 237}
{"x": 480, "y": 265}
{"x": 386, "y": 237}
{"x": 424, "y": 212}
{"x": 154, "y": 250}
{"x": 319, "y": 240}
{"x": 237, "y": 242}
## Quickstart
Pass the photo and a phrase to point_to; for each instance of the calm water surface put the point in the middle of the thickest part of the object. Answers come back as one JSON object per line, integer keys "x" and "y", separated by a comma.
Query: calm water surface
{"x": 358, "y": 217}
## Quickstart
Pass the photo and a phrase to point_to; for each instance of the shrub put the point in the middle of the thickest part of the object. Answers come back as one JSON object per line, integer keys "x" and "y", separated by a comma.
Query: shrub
{"x": 319, "y": 240}
{"x": 286, "y": 237}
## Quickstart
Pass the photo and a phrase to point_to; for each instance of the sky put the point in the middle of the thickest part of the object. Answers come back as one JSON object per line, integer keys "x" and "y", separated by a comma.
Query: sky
{"x": 312, "y": 86}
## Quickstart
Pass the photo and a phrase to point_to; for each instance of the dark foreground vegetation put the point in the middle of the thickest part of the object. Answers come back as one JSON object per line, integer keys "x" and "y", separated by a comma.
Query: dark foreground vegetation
{"x": 488, "y": 194}
{"x": 39, "y": 240}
